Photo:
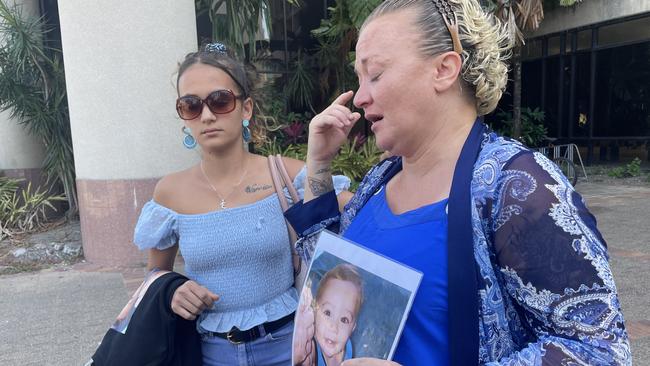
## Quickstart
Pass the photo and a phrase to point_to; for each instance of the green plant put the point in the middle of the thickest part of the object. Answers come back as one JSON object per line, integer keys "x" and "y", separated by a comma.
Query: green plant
{"x": 236, "y": 22}
{"x": 632, "y": 169}
{"x": 273, "y": 146}
{"x": 32, "y": 88}
{"x": 354, "y": 159}
{"x": 23, "y": 210}
{"x": 300, "y": 87}
{"x": 336, "y": 38}
{"x": 533, "y": 131}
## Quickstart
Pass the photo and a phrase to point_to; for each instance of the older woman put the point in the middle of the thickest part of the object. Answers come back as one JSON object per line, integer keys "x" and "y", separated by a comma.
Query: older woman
{"x": 515, "y": 271}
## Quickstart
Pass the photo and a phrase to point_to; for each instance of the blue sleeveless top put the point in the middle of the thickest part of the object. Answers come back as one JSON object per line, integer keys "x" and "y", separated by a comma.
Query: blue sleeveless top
{"x": 241, "y": 254}
{"x": 417, "y": 238}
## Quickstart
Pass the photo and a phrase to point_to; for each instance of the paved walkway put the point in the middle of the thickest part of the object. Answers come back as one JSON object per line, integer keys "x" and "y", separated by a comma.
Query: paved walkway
{"x": 58, "y": 318}
{"x": 623, "y": 215}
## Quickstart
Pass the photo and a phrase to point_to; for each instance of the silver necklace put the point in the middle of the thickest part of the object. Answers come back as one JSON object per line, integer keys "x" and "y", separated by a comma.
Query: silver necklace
{"x": 222, "y": 204}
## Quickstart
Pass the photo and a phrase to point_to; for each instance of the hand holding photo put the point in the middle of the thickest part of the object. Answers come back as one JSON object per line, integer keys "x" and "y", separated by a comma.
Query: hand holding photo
{"x": 361, "y": 303}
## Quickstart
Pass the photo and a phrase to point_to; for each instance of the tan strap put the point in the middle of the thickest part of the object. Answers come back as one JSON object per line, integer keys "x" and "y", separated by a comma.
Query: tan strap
{"x": 287, "y": 180}
{"x": 280, "y": 177}
{"x": 278, "y": 183}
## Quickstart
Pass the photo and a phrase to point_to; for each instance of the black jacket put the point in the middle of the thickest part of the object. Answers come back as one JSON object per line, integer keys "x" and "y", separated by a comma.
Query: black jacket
{"x": 155, "y": 335}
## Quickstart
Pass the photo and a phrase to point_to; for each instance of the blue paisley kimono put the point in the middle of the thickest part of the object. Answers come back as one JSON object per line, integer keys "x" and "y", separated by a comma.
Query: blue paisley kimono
{"x": 540, "y": 290}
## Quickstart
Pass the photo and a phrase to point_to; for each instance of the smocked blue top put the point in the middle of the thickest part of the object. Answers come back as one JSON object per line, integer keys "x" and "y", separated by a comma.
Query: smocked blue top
{"x": 241, "y": 254}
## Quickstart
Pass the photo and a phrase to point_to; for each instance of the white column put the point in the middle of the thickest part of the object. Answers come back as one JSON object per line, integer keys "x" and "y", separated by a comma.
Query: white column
{"x": 120, "y": 62}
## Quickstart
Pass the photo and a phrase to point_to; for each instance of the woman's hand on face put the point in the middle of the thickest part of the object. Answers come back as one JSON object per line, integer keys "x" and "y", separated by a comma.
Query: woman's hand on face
{"x": 190, "y": 299}
{"x": 329, "y": 129}
{"x": 304, "y": 329}
{"x": 365, "y": 361}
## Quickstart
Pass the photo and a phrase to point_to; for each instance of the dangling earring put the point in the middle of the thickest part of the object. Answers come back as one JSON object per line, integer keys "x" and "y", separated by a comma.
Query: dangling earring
{"x": 188, "y": 141}
{"x": 246, "y": 132}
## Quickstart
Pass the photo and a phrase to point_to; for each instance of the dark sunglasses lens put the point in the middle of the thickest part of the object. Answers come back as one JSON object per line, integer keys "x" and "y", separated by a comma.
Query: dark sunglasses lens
{"x": 189, "y": 107}
{"x": 221, "y": 101}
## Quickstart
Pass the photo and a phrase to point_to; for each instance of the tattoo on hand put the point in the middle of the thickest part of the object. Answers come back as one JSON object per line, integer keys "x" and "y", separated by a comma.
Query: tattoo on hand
{"x": 319, "y": 187}
{"x": 254, "y": 188}
{"x": 322, "y": 171}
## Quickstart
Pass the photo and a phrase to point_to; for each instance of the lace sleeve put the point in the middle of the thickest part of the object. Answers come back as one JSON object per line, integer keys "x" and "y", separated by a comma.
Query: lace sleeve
{"x": 553, "y": 264}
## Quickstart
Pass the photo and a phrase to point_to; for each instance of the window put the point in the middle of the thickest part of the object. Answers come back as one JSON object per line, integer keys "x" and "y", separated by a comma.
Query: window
{"x": 631, "y": 31}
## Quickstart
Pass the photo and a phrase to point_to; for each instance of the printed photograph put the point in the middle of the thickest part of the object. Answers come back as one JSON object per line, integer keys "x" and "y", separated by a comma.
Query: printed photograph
{"x": 124, "y": 317}
{"x": 354, "y": 304}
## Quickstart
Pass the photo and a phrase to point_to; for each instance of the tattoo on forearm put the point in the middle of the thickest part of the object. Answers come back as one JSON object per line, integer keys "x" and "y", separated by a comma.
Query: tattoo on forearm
{"x": 255, "y": 187}
{"x": 319, "y": 187}
{"x": 322, "y": 171}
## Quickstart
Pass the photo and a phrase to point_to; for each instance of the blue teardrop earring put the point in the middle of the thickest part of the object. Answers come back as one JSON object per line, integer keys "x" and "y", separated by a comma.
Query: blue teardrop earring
{"x": 188, "y": 141}
{"x": 246, "y": 132}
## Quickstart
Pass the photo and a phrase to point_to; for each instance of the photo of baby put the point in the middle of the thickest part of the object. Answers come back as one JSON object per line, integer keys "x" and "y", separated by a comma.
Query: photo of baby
{"x": 353, "y": 304}
{"x": 338, "y": 301}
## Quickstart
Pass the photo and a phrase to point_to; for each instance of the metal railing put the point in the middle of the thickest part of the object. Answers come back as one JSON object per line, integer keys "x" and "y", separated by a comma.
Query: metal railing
{"x": 566, "y": 151}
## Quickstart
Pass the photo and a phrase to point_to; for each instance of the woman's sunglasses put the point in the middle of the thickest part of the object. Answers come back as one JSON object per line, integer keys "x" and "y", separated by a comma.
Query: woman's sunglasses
{"x": 219, "y": 102}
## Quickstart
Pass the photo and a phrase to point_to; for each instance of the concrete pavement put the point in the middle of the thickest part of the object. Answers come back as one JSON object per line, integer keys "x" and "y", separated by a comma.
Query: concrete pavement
{"x": 58, "y": 317}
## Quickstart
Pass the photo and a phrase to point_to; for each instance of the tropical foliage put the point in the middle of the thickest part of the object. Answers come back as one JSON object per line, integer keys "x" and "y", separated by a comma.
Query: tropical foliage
{"x": 235, "y": 22}
{"x": 336, "y": 38}
{"x": 32, "y": 88}
{"x": 23, "y": 210}
{"x": 533, "y": 131}
{"x": 354, "y": 159}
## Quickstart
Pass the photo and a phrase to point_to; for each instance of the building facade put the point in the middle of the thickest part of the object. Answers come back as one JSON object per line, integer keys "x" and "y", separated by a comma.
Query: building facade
{"x": 588, "y": 69}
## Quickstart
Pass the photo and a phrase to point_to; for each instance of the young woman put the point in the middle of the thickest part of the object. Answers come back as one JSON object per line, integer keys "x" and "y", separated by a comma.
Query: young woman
{"x": 225, "y": 217}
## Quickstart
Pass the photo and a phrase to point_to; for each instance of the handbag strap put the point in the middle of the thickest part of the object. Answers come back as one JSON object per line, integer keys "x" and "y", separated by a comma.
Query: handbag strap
{"x": 287, "y": 180}
{"x": 281, "y": 179}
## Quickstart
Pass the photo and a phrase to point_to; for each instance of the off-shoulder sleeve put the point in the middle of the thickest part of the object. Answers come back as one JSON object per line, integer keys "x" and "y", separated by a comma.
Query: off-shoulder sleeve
{"x": 156, "y": 228}
{"x": 553, "y": 262}
{"x": 341, "y": 182}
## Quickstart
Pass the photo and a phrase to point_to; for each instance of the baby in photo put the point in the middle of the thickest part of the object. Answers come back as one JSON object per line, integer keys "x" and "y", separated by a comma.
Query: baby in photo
{"x": 336, "y": 307}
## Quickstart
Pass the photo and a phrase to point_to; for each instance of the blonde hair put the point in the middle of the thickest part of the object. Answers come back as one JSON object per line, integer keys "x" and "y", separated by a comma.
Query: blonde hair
{"x": 484, "y": 38}
{"x": 343, "y": 272}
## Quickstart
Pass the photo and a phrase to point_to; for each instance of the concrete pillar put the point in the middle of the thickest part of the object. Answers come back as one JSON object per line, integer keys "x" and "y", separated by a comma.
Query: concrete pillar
{"x": 120, "y": 64}
{"x": 21, "y": 154}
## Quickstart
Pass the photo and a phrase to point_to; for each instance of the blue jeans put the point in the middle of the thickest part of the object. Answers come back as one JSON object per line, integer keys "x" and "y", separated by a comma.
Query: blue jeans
{"x": 269, "y": 349}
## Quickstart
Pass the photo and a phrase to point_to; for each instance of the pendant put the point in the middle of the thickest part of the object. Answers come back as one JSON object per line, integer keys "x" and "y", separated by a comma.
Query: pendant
{"x": 223, "y": 204}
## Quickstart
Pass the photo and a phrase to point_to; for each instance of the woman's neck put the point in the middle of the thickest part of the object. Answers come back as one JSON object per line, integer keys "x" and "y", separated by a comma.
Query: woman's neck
{"x": 440, "y": 147}
{"x": 226, "y": 163}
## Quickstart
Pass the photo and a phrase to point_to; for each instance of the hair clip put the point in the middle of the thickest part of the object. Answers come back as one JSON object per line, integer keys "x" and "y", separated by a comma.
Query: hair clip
{"x": 451, "y": 21}
{"x": 216, "y": 47}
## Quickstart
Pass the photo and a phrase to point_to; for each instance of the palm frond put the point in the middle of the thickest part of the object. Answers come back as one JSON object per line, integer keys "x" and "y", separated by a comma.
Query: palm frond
{"x": 32, "y": 88}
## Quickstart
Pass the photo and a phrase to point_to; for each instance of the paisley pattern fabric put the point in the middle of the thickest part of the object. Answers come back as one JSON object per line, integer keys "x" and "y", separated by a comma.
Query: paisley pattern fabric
{"x": 546, "y": 292}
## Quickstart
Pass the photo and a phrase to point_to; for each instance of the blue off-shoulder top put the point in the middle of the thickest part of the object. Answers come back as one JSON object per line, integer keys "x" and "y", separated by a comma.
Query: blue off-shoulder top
{"x": 241, "y": 254}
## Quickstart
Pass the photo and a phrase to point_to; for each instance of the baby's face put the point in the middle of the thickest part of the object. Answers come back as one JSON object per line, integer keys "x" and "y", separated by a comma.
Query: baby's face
{"x": 335, "y": 316}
